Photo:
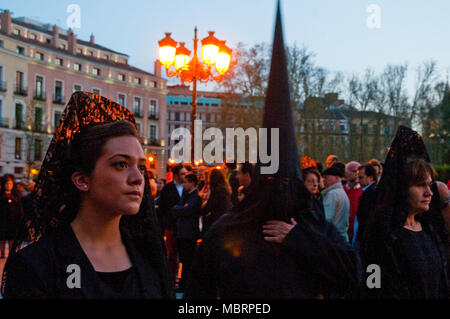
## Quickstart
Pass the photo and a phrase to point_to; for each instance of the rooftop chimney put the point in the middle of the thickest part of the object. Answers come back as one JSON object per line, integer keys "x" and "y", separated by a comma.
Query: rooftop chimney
{"x": 55, "y": 36}
{"x": 158, "y": 68}
{"x": 72, "y": 41}
{"x": 92, "y": 40}
{"x": 331, "y": 98}
{"x": 5, "y": 17}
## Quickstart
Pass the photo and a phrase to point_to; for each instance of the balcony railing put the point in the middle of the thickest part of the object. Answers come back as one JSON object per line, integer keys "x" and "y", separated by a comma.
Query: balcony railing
{"x": 38, "y": 127}
{"x": 154, "y": 142}
{"x": 153, "y": 117}
{"x": 4, "y": 122}
{"x": 138, "y": 114}
{"x": 39, "y": 95}
{"x": 20, "y": 90}
{"x": 19, "y": 124}
{"x": 3, "y": 86}
{"x": 59, "y": 99}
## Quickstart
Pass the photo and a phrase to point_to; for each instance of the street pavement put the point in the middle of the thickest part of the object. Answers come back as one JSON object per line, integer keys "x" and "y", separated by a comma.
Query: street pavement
{"x": 2, "y": 265}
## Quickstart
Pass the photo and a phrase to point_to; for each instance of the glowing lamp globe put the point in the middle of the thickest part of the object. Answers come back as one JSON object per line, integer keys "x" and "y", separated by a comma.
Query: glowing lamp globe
{"x": 210, "y": 49}
{"x": 167, "y": 49}
{"x": 182, "y": 57}
{"x": 223, "y": 59}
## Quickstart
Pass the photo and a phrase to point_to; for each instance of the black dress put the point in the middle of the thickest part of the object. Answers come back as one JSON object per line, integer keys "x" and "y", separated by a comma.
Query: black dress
{"x": 413, "y": 266}
{"x": 218, "y": 204}
{"x": 421, "y": 260}
{"x": 119, "y": 283}
{"x": 11, "y": 217}
{"x": 40, "y": 270}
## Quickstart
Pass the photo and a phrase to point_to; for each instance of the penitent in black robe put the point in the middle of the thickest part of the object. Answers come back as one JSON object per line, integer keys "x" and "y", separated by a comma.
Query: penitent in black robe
{"x": 234, "y": 261}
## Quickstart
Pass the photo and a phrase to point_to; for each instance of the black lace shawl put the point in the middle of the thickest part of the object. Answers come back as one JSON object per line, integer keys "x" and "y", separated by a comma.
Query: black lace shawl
{"x": 390, "y": 209}
{"x": 50, "y": 196}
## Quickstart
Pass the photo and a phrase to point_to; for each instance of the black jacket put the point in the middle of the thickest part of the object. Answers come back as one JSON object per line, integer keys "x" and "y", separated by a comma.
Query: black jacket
{"x": 234, "y": 184}
{"x": 40, "y": 270}
{"x": 234, "y": 261}
{"x": 168, "y": 198}
{"x": 219, "y": 203}
{"x": 11, "y": 217}
{"x": 366, "y": 204}
{"x": 395, "y": 284}
{"x": 187, "y": 214}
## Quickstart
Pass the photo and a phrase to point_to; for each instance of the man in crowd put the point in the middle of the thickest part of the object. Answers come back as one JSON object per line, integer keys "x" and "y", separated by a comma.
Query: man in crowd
{"x": 187, "y": 214}
{"x": 353, "y": 190}
{"x": 335, "y": 200}
{"x": 244, "y": 177}
{"x": 231, "y": 176}
{"x": 367, "y": 177}
{"x": 171, "y": 194}
{"x": 377, "y": 166}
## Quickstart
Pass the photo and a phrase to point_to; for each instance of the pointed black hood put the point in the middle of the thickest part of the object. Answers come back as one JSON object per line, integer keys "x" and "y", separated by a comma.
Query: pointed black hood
{"x": 282, "y": 195}
{"x": 277, "y": 110}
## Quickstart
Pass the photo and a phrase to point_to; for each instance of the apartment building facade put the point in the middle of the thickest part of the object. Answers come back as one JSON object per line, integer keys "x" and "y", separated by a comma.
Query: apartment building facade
{"x": 42, "y": 65}
{"x": 179, "y": 108}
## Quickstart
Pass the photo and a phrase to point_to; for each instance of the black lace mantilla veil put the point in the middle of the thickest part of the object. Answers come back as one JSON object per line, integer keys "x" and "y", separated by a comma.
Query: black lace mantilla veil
{"x": 390, "y": 209}
{"x": 48, "y": 197}
{"x": 84, "y": 109}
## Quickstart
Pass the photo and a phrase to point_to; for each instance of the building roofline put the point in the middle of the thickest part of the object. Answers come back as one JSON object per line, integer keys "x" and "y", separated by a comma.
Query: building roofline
{"x": 104, "y": 62}
{"x": 64, "y": 37}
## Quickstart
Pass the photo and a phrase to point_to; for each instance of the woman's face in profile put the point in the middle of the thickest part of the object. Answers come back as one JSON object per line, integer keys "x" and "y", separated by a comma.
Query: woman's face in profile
{"x": 419, "y": 196}
{"x": 117, "y": 182}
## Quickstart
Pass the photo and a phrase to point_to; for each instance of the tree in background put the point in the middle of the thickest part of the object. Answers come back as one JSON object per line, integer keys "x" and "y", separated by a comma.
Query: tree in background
{"x": 376, "y": 104}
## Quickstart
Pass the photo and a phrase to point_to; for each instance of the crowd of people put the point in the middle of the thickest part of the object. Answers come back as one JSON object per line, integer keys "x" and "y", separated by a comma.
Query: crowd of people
{"x": 344, "y": 193}
{"x": 14, "y": 210}
{"x": 100, "y": 225}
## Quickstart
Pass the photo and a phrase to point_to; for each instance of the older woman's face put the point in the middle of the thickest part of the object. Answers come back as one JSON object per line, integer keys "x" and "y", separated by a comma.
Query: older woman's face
{"x": 419, "y": 196}
{"x": 117, "y": 182}
{"x": 312, "y": 183}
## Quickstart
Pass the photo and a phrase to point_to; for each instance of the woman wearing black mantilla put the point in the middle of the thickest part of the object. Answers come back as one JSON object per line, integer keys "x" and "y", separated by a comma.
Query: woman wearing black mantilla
{"x": 406, "y": 235}
{"x": 95, "y": 232}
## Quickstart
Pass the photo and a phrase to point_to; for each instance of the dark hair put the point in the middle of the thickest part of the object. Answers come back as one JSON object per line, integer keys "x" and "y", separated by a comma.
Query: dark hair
{"x": 188, "y": 167}
{"x": 231, "y": 165}
{"x": 319, "y": 167}
{"x": 191, "y": 178}
{"x": 416, "y": 172}
{"x": 247, "y": 167}
{"x": 150, "y": 174}
{"x": 369, "y": 170}
{"x": 177, "y": 168}
{"x": 311, "y": 170}
{"x": 216, "y": 180}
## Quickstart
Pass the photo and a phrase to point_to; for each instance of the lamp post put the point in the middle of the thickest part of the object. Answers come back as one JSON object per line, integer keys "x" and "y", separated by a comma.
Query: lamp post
{"x": 216, "y": 58}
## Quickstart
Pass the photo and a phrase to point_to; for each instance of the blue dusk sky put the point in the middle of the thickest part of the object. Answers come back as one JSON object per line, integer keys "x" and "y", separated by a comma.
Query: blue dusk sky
{"x": 338, "y": 32}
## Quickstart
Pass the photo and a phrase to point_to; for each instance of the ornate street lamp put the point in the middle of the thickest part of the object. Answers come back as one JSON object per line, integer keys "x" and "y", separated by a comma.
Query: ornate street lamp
{"x": 216, "y": 58}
